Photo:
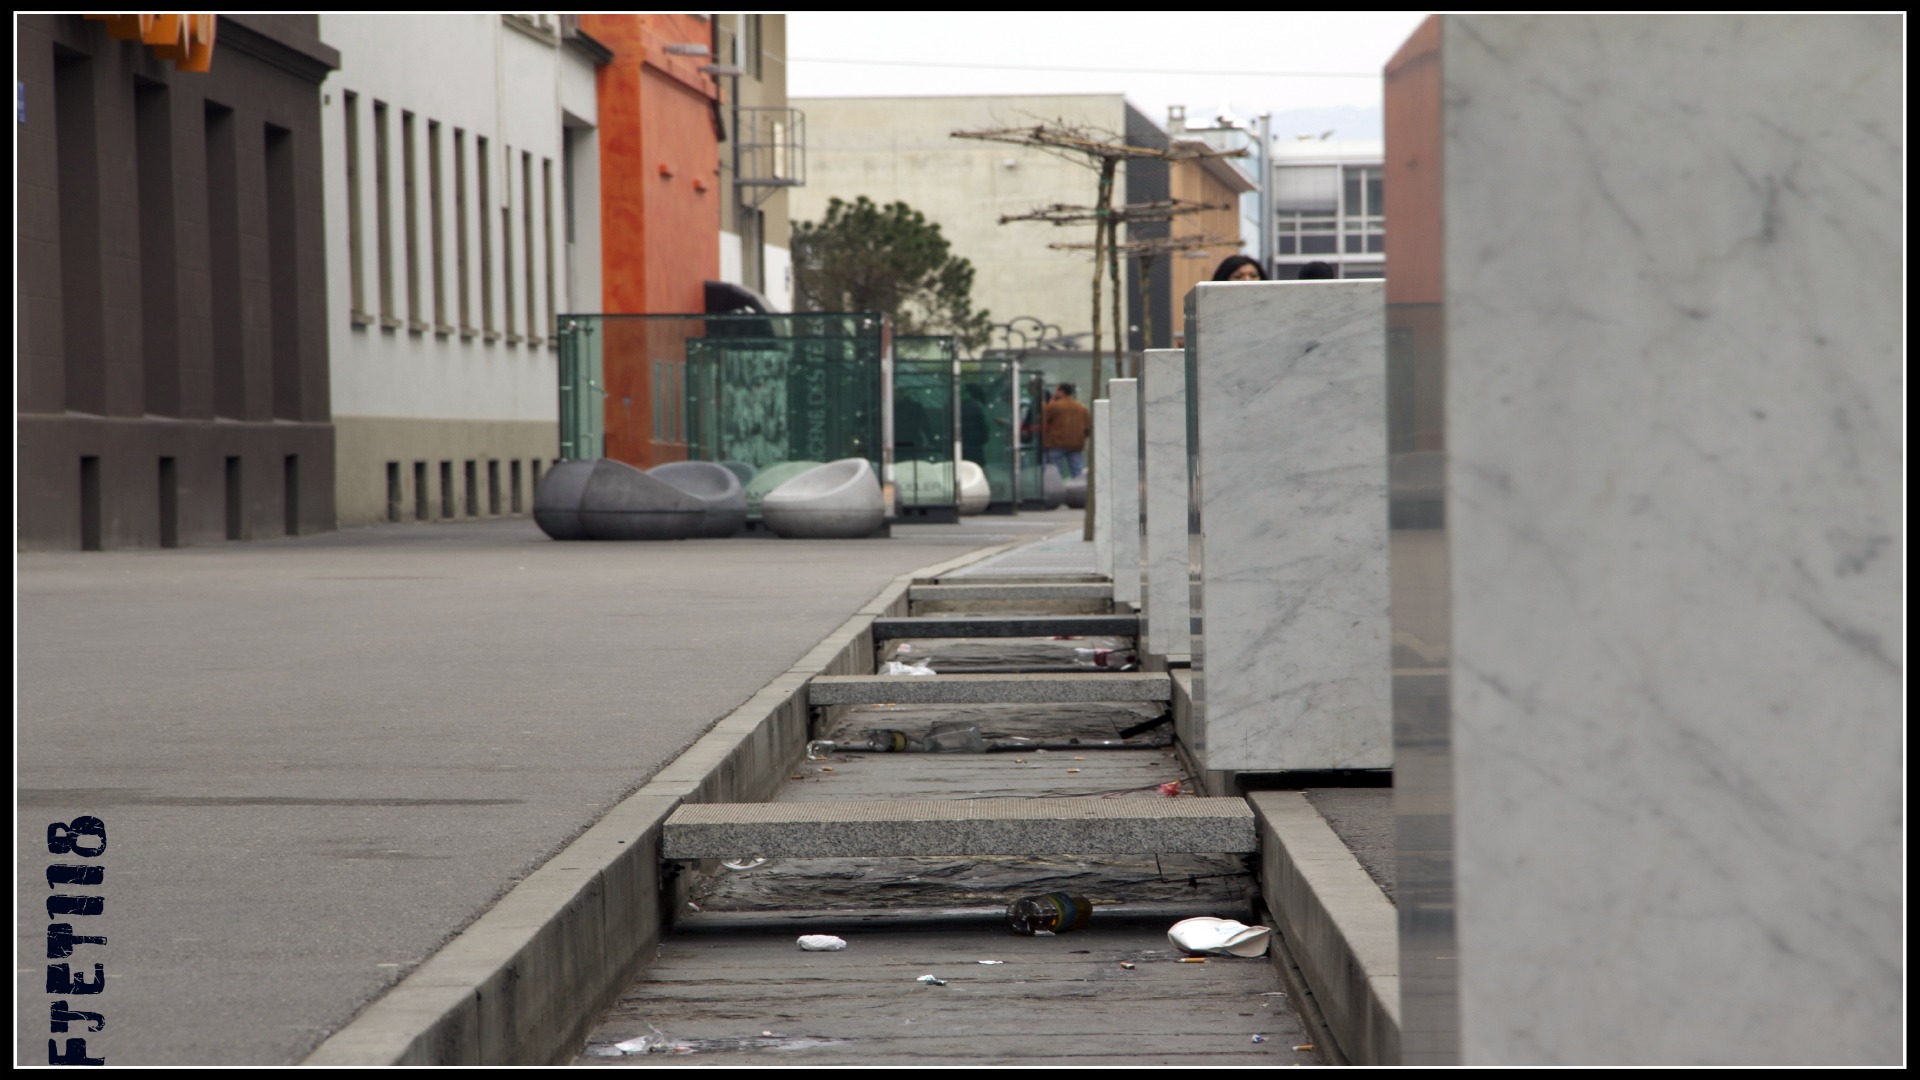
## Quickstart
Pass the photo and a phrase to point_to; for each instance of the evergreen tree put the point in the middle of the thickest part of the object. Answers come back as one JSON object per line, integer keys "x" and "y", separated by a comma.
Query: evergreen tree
{"x": 864, "y": 257}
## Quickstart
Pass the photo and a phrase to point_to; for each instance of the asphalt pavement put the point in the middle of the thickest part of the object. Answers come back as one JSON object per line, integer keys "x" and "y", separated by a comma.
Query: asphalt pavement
{"x": 317, "y": 759}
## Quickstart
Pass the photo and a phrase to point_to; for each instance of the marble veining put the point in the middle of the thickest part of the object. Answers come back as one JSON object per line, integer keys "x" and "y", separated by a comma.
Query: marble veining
{"x": 1123, "y": 427}
{"x": 1291, "y": 409}
{"x": 1675, "y": 489}
{"x": 1163, "y": 422}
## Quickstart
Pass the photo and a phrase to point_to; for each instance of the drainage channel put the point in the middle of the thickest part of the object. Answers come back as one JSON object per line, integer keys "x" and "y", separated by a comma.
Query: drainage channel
{"x": 931, "y": 973}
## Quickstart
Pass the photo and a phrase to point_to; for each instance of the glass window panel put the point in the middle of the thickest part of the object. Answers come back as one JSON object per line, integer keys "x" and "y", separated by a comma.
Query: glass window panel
{"x": 1374, "y": 203}
{"x": 1306, "y": 187}
{"x": 1317, "y": 245}
{"x": 1289, "y": 246}
{"x": 1355, "y": 244}
{"x": 1376, "y": 243}
{"x": 1351, "y": 193}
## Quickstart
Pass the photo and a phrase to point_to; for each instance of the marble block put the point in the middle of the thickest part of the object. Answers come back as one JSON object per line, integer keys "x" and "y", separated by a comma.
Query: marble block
{"x": 1661, "y": 343}
{"x": 1288, "y": 391}
{"x": 1163, "y": 423}
{"x": 1103, "y": 489}
{"x": 1123, "y": 429}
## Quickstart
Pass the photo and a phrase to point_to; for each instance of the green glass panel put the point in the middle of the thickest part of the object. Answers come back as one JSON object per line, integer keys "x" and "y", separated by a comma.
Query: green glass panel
{"x": 987, "y": 422}
{"x": 924, "y": 434}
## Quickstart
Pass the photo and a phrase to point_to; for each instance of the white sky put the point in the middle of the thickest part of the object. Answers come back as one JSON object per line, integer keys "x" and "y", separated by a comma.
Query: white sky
{"x": 1253, "y": 61}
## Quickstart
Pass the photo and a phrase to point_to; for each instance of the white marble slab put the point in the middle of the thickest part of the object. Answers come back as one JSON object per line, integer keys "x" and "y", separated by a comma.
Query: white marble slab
{"x": 1675, "y": 424}
{"x": 1123, "y": 428}
{"x": 1102, "y": 488}
{"x": 1290, "y": 401}
{"x": 1163, "y": 423}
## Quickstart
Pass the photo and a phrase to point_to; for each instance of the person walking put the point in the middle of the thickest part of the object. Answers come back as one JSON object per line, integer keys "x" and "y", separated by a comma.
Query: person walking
{"x": 1064, "y": 424}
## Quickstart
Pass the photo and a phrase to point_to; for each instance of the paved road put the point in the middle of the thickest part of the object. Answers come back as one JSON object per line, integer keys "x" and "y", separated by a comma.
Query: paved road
{"x": 317, "y": 759}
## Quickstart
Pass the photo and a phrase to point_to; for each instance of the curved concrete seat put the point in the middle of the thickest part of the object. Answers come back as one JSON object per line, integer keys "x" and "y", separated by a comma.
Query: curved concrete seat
{"x": 1075, "y": 491}
{"x": 556, "y": 499}
{"x": 975, "y": 492}
{"x": 772, "y": 477}
{"x": 839, "y": 500}
{"x": 1053, "y": 490}
{"x": 611, "y": 500}
{"x": 741, "y": 469}
{"x": 924, "y": 483}
{"x": 717, "y": 488}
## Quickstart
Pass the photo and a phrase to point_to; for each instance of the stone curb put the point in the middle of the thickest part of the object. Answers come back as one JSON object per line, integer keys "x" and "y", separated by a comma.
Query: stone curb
{"x": 526, "y": 981}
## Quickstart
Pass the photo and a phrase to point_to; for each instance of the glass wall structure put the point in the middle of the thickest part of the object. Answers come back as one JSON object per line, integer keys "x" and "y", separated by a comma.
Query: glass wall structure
{"x": 989, "y": 429}
{"x": 754, "y": 390}
{"x": 926, "y": 424}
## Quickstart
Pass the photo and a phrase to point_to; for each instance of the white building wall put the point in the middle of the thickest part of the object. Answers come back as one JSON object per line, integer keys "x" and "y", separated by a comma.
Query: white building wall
{"x": 412, "y": 382}
{"x": 902, "y": 149}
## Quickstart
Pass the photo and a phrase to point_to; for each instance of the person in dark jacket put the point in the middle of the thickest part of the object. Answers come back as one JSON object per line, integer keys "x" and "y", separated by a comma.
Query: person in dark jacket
{"x": 1064, "y": 424}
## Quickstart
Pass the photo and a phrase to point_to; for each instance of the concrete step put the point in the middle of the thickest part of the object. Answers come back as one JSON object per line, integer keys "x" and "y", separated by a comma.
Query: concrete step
{"x": 1045, "y": 590}
{"x": 985, "y": 626}
{"x": 972, "y": 689}
{"x": 959, "y": 827}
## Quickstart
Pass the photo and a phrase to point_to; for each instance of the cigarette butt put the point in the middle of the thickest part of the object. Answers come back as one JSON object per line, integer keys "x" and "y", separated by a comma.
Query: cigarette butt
{"x": 1304, "y": 1046}
{"x": 826, "y": 768}
{"x": 1126, "y": 965}
{"x": 1073, "y": 770}
{"x": 1193, "y": 959}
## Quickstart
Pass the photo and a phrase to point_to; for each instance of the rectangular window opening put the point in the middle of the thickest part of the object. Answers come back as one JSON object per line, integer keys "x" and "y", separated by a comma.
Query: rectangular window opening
{"x": 236, "y": 517}
{"x": 436, "y": 211}
{"x": 81, "y": 295}
{"x": 473, "y": 490}
{"x": 513, "y": 475}
{"x": 446, "y": 489}
{"x": 223, "y": 258}
{"x": 169, "y": 504}
{"x": 159, "y": 270}
{"x": 396, "y": 496}
{"x": 422, "y": 491}
{"x": 546, "y": 202}
{"x": 461, "y": 271}
{"x": 356, "y": 257}
{"x": 410, "y": 222}
{"x": 383, "y": 216}
{"x": 526, "y": 236}
{"x": 90, "y": 539}
{"x": 493, "y": 488}
{"x": 283, "y": 273}
{"x": 482, "y": 175}
{"x": 290, "y": 495}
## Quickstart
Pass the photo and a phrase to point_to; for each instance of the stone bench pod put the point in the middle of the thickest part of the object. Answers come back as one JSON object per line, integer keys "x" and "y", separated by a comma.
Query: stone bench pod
{"x": 975, "y": 493}
{"x": 772, "y": 477}
{"x": 556, "y": 499}
{"x": 839, "y": 500}
{"x": 622, "y": 503}
{"x": 718, "y": 489}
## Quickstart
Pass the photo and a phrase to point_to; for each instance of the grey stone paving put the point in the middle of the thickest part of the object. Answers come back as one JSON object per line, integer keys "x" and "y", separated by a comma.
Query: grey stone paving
{"x": 319, "y": 758}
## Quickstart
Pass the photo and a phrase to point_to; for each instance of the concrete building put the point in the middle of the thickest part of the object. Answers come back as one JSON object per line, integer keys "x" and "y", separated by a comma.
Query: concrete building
{"x": 764, "y": 155}
{"x": 902, "y": 149}
{"x": 1327, "y": 206}
{"x": 171, "y": 349}
{"x": 462, "y": 182}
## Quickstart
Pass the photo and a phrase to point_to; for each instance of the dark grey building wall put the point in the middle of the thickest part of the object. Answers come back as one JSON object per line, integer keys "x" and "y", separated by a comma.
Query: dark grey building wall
{"x": 172, "y": 342}
{"x": 1148, "y": 181}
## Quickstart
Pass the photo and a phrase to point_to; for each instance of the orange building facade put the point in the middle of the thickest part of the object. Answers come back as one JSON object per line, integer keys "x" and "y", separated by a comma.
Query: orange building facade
{"x": 660, "y": 204}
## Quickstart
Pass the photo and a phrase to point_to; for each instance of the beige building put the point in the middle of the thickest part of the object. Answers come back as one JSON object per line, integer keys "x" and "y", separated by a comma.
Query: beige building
{"x": 764, "y": 155}
{"x": 903, "y": 149}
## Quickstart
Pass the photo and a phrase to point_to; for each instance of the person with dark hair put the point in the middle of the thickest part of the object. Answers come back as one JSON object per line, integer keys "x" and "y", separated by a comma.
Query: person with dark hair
{"x": 1064, "y": 423}
{"x": 1239, "y": 268}
{"x": 1319, "y": 271}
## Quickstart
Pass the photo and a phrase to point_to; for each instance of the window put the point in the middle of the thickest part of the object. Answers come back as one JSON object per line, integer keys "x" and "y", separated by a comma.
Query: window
{"x": 436, "y": 229}
{"x": 546, "y": 204}
{"x": 481, "y": 176}
{"x": 410, "y": 219}
{"x": 506, "y": 242}
{"x": 526, "y": 235}
{"x": 356, "y": 261}
{"x": 461, "y": 270}
{"x": 383, "y": 216}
